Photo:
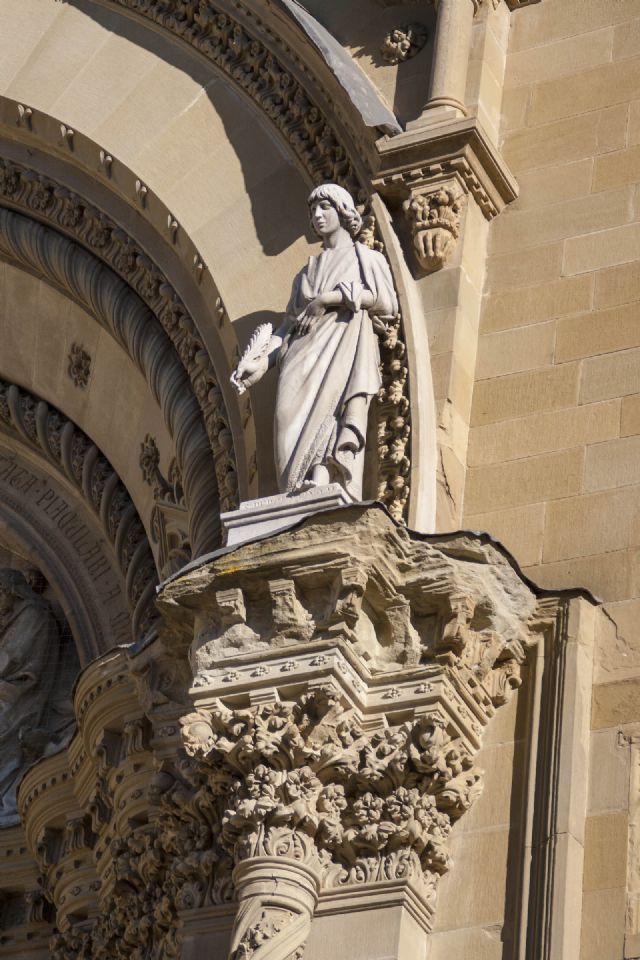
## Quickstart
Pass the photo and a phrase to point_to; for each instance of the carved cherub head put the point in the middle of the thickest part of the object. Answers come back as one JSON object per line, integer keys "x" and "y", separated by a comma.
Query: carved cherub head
{"x": 332, "y": 196}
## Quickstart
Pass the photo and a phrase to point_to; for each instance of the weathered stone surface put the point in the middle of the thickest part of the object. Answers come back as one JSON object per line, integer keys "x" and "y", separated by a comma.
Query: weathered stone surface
{"x": 312, "y": 708}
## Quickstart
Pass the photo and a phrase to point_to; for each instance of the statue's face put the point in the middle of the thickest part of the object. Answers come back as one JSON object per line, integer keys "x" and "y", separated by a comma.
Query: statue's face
{"x": 324, "y": 218}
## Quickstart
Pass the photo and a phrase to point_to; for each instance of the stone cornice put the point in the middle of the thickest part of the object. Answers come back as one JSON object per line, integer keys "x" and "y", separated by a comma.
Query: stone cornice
{"x": 458, "y": 150}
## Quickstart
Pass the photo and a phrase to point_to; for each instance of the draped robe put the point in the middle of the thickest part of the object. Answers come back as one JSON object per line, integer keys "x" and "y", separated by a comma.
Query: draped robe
{"x": 336, "y": 360}
{"x": 29, "y": 649}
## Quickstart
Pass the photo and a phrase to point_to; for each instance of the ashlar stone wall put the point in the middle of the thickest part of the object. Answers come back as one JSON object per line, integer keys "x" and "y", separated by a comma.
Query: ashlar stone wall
{"x": 554, "y": 454}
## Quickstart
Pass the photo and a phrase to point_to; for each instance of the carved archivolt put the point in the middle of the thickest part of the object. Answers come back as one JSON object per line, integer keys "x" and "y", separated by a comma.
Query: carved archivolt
{"x": 70, "y": 450}
{"x": 261, "y": 73}
{"x": 185, "y": 384}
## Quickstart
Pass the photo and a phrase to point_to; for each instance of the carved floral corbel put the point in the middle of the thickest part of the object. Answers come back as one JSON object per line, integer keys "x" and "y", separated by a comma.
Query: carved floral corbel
{"x": 435, "y": 217}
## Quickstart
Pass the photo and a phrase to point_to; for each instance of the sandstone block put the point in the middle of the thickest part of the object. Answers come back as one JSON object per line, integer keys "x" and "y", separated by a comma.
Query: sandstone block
{"x": 544, "y": 432}
{"x": 610, "y": 375}
{"x": 540, "y": 225}
{"x": 612, "y": 128}
{"x": 541, "y": 26}
{"x": 548, "y": 185}
{"x": 520, "y": 529}
{"x": 514, "y": 107}
{"x": 58, "y": 62}
{"x": 626, "y": 40}
{"x": 634, "y": 122}
{"x": 609, "y": 776}
{"x": 605, "y": 249}
{"x": 609, "y": 576}
{"x": 507, "y": 271}
{"x": 563, "y": 58}
{"x": 523, "y": 393}
{"x": 618, "y": 648}
{"x": 604, "y": 86}
{"x": 614, "y": 463}
{"x": 574, "y": 527}
{"x": 605, "y": 851}
{"x": 567, "y": 140}
{"x": 617, "y": 285}
{"x": 476, "y": 854}
{"x": 616, "y": 169}
{"x": 511, "y": 351}
{"x": 553, "y": 143}
{"x": 524, "y": 481}
{"x": 524, "y": 305}
{"x": 603, "y": 331}
{"x": 615, "y": 703}
{"x": 603, "y": 914}
{"x": 630, "y": 416}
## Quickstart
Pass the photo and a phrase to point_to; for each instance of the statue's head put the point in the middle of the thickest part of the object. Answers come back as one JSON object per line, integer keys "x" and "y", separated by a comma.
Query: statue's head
{"x": 341, "y": 201}
{"x": 13, "y": 586}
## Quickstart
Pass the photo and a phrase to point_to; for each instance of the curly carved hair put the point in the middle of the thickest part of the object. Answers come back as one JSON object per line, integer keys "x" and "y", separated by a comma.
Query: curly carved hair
{"x": 342, "y": 200}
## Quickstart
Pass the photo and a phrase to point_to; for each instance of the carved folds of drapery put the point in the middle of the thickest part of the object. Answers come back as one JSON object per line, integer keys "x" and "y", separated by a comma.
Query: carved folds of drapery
{"x": 239, "y": 768}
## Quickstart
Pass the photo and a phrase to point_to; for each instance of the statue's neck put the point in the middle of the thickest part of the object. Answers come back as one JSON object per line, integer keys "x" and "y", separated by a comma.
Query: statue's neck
{"x": 338, "y": 239}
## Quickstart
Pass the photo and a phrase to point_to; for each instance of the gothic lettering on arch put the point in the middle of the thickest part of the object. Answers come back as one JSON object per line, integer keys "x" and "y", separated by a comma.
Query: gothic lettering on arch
{"x": 123, "y": 543}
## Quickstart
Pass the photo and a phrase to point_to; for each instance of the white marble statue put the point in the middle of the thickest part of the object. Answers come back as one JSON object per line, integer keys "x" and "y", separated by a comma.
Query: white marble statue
{"x": 29, "y": 654}
{"x": 326, "y": 351}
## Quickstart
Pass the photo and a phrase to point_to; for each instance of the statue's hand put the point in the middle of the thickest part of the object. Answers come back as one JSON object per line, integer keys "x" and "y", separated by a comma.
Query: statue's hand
{"x": 249, "y": 372}
{"x": 310, "y": 314}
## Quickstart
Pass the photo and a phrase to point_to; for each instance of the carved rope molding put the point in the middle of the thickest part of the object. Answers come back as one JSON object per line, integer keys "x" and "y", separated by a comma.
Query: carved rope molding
{"x": 43, "y": 198}
{"x": 69, "y": 449}
{"x": 279, "y": 95}
{"x": 132, "y": 324}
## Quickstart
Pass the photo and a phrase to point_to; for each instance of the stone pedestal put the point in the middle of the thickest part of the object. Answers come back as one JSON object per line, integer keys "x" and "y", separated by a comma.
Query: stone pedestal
{"x": 281, "y": 771}
{"x": 268, "y": 515}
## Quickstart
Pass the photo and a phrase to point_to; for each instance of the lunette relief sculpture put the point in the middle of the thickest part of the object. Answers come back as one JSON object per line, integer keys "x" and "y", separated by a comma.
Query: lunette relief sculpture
{"x": 326, "y": 352}
{"x": 33, "y": 710}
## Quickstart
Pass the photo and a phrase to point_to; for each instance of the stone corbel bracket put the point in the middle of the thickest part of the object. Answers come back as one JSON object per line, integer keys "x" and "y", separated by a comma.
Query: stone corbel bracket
{"x": 432, "y": 171}
{"x": 296, "y": 743}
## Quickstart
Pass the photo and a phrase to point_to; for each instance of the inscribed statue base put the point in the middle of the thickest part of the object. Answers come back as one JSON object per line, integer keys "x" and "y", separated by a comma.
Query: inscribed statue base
{"x": 268, "y": 515}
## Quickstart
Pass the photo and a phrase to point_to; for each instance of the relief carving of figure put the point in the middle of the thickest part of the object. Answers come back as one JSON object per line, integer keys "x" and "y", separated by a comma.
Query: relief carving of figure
{"x": 326, "y": 352}
{"x": 31, "y": 710}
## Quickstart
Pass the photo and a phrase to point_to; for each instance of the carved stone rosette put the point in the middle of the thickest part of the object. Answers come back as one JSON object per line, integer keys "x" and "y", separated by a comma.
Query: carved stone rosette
{"x": 297, "y": 741}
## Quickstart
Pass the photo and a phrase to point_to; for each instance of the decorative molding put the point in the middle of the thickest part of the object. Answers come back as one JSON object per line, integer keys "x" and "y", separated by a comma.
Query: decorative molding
{"x": 419, "y": 160}
{"x": 69, "y": 449}
{"x": 403, "y": 43}
{"x": 79, "y": 367}
{"x": 259, "y": 71}
{"x": 169, "y": 518}
{"x": 169, "y": 489}
{"x": 302, "y": 771}
{"x": 183, "y": 384}
{"x": 435, "y": 224}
